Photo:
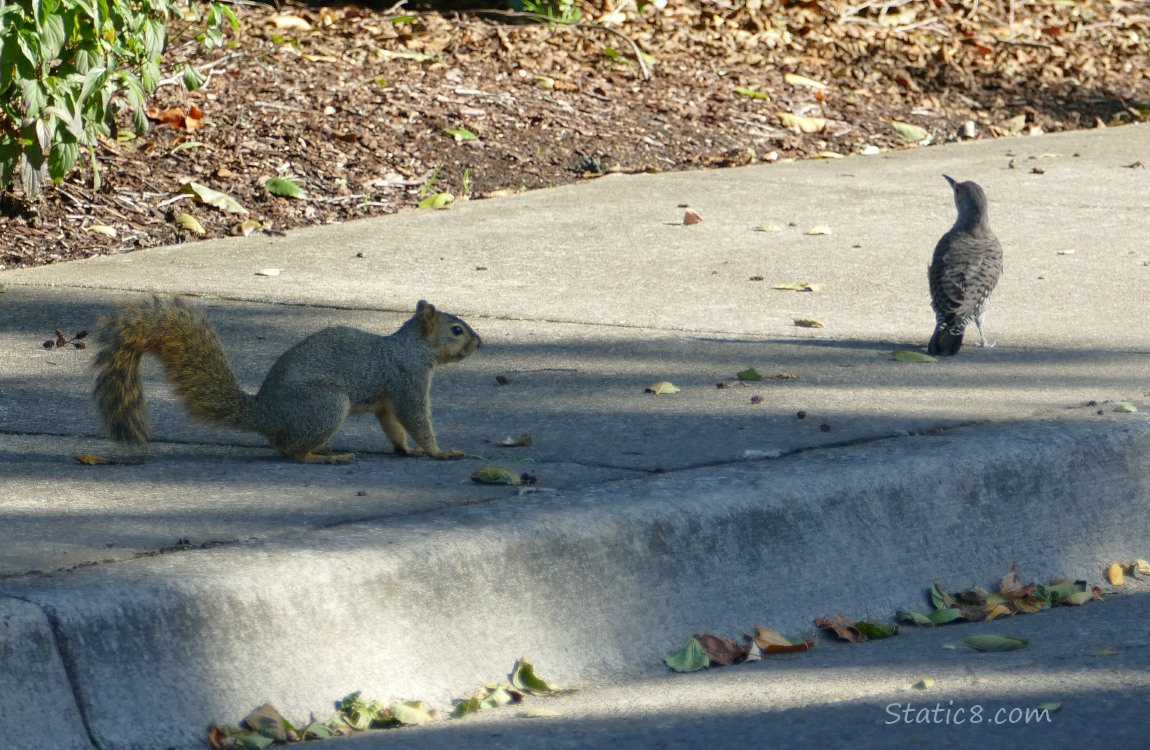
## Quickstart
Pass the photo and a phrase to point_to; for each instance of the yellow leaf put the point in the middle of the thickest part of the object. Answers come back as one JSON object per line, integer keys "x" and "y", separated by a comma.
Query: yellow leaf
{"x": 1016, "y": 124}
{"x": 804, "y": 124}
{"x": 269, "y": 272}
{"x": 1115, "y": 575}
{"x": 797, "y": 80}
{"x": 320, "y": 58}
{"x": 91, "y": 459}
{"x": 190, "y": 223}
{"x": 663, "y": 386}
{"x": 288, "y": 22}
{"x": 820, "y": 229}
{"x": 103, "y": 229}
{"x": 809, "y": 323}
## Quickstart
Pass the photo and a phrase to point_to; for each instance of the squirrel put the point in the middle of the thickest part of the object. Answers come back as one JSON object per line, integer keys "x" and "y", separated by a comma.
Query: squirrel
{"x": 307, "y": 395}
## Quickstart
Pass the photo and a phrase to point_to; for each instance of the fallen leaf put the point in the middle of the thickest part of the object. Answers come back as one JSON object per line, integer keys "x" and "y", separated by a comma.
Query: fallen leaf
{"x": 285, "y": 187}
{"x": 496, "y": 475}
{"x": 1108, "y": 652}
{"x": 269, "y": 722}
{"x": 1115, "y": 575}
{"x": 926, "y": 683}
{"x": 103, "y": 229}
{"x": 914, "y": 618}
{"x": 945, "y": 615}
{"x": 269, "y": 272}
{"x": 1016, "y": 124}
{"x": 751, "y": 93}
{"x": 289, "y": 22}
{"x": 909, "y": 356}
{"x": 797, "y": 80}
{"x": 772, "y": 642}
{"x": 91, "y": 459}
{"x": 842, "y": 627}
{"x": 691, "y": 216}
{"x": 186, "y": 221}
{"x": 690, "y": 657}
{"x": 1078, "y": 598}
{"x": 768, "y": 228}
{"x": 909, "y": 132}
{"x": 461, "y": 134}
{"x": 820, "y": 229}
{"x": 994, "y": 642}
{"x": 720, "y": 650}
{"x": 809, "y": 323}
{"x": 1140, "y": 567}
{"x": 1051, "y": 706}
{"x": 803, "y": 124}
{"x": 411, "y": 713}
{"x": 523, "y": 677}
{"x": 798, "y": 286}
{"x": 320, "y": 58}
{"x": 876, "y": 630}
{"x": 749, "y": 374}
{"x": 205, "y": 194}
{"x": 437, "y": 200}
{"x": 662, "y": 387}
{"x": 1124, "y": 408}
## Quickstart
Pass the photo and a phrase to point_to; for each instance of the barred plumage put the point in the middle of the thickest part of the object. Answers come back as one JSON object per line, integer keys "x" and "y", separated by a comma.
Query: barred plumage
{"x": 964, "y": 271}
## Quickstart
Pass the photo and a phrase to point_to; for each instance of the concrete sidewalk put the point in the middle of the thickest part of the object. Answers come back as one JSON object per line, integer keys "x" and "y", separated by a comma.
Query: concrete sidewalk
{"x": 654, "y": 516}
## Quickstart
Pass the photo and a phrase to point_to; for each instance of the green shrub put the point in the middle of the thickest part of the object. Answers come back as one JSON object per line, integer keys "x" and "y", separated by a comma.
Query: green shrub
{"x": 67, "y": 67}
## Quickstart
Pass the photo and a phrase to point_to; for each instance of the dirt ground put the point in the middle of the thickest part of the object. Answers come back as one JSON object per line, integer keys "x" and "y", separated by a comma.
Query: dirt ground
{"x": 374, "y": 111}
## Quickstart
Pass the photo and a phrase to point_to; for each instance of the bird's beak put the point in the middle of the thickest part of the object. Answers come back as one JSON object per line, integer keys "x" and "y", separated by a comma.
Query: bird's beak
{"x": 951, "y": 180}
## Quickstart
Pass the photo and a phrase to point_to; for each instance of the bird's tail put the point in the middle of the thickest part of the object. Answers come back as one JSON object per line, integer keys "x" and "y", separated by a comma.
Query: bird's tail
{"x": 944, "y": 343}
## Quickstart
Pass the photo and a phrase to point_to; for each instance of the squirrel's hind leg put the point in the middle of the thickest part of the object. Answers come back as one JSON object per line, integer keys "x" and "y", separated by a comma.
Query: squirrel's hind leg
{"x": 303, "y": 431}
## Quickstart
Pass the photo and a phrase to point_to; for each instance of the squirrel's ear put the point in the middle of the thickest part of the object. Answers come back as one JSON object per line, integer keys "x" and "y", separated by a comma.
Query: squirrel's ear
{"x": 428, "y": 316}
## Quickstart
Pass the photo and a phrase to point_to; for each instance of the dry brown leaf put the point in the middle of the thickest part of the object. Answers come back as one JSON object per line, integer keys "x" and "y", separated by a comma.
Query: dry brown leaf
{"x": 91, "y": 459}
{"x": 809, "y": 323}
{"x": 720, "y": 650}
{"x": 842, "y": 627}
{"x": 692, "y": 217}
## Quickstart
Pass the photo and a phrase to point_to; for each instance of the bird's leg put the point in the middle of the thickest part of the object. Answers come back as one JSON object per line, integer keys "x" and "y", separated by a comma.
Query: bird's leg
{"x": 978, "y": 321}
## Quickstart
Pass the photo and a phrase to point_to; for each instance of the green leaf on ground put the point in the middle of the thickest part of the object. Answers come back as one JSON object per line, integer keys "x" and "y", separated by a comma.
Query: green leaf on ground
{"x": 285, "y": 187}
{"x": 945, "y": 615}
{"x": 461, "y": 134}
{"x": 524, "y": 678}
{"x": 751, "y": 93}
{"x": 910, "y": 132}
{"x": 914, "y": 618}
{"x": 749, "y": 374}
{"x": 689, "y": 658}
{"x": 993, "y": 642}
{"x": 437, "y": 200}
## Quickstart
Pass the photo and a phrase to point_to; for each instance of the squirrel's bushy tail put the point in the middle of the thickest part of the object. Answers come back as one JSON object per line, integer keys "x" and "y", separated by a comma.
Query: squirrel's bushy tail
{"x": 186, "y": 342}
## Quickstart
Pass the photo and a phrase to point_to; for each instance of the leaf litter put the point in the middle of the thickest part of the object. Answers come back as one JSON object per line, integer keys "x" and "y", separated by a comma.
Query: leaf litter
{"x": 293, "y": 92}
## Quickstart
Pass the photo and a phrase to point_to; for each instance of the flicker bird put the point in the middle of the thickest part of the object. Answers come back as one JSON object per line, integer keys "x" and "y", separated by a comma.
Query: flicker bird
{"x": 964, "y": 271}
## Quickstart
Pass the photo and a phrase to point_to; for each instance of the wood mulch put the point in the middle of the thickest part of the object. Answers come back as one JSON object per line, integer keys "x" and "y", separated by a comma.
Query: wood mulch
{"x": 372, "y": 112}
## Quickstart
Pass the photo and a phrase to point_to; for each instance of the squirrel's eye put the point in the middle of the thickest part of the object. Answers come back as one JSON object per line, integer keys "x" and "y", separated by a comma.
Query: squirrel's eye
{"x": 457, "y": 330}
